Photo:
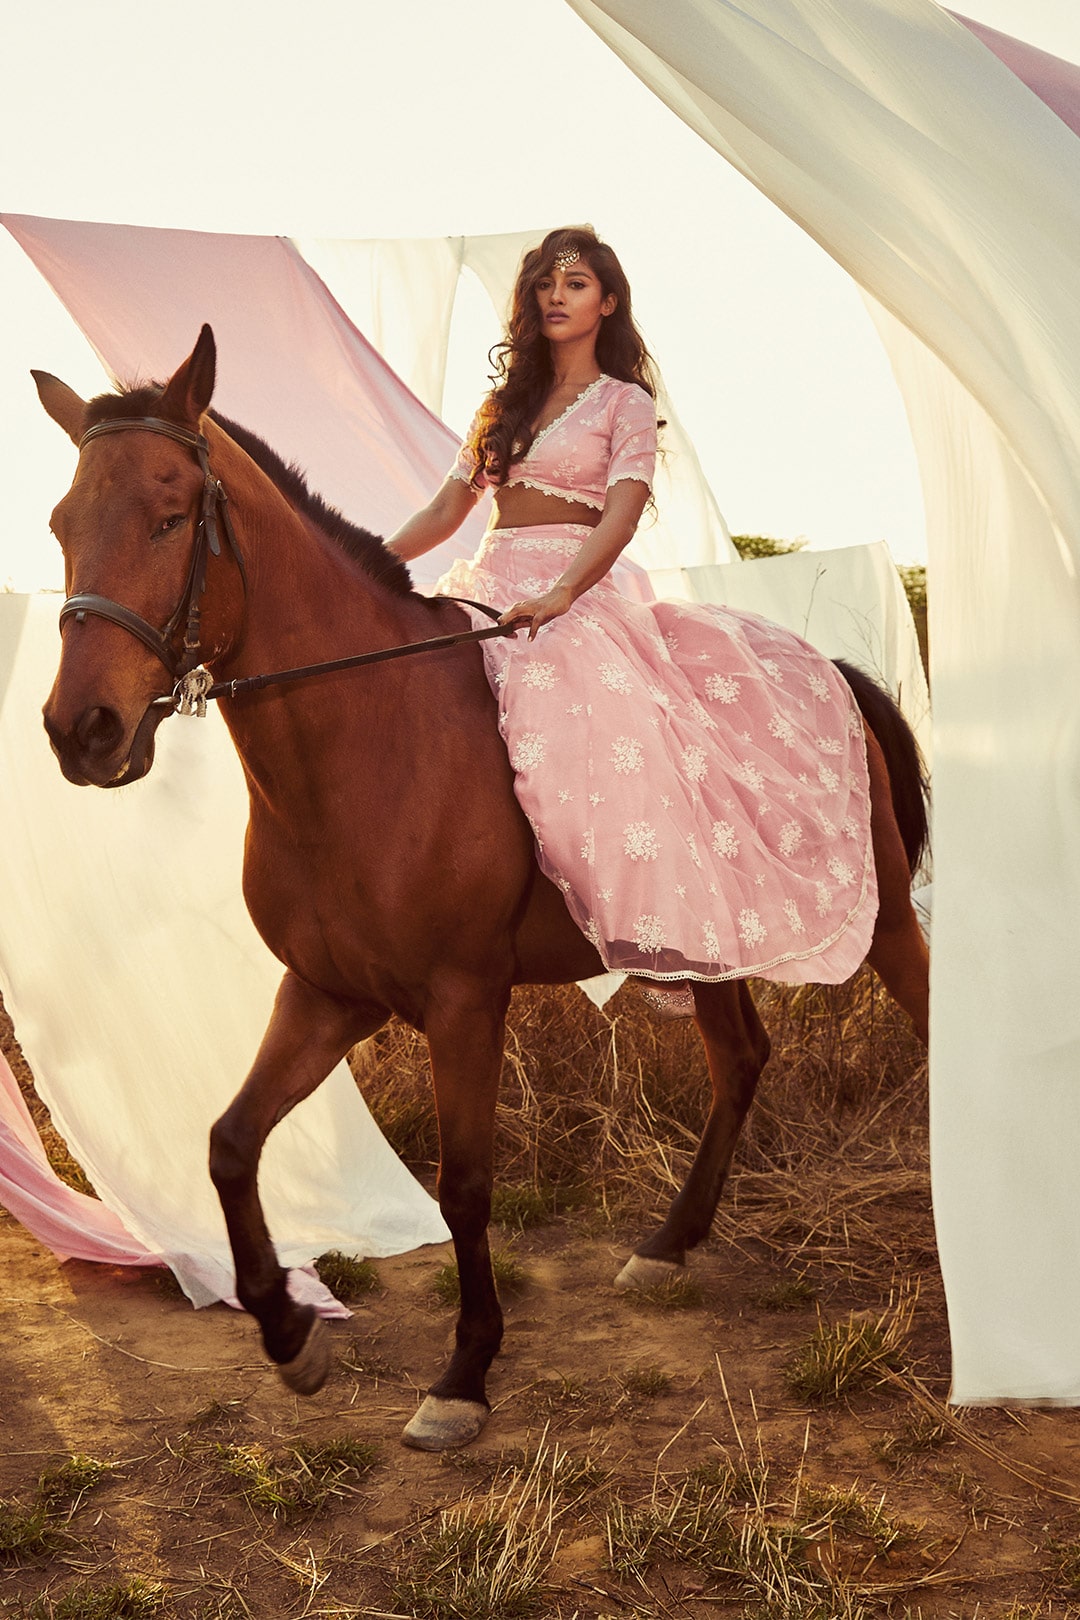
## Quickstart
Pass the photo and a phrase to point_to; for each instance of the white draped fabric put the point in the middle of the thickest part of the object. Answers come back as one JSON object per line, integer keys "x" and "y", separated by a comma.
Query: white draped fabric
{"x": 140, "y": 992}
{"x": 952, "y": 195}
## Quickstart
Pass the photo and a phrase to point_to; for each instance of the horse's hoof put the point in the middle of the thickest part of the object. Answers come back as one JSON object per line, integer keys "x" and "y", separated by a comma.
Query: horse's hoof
{"x": 306, "y": 1373}
{"x": 439, "y": 1424}
{"x": 642, "y": 1273}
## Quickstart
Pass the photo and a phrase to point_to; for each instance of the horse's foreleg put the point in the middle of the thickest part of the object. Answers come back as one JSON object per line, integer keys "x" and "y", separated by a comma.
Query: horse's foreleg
{"x": 737, "y": 1048}
{"x": 898, "y": 951}
{"x": 308, "y": 1033}
{"x": 465, "y": 1039}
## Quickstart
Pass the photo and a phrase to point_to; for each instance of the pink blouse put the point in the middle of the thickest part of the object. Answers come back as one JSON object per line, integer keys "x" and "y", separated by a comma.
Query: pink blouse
{"x": 606, "y": 435}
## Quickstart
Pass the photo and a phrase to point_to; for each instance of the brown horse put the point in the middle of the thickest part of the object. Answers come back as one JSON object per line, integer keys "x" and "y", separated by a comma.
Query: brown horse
{"x": 387, "y": 863}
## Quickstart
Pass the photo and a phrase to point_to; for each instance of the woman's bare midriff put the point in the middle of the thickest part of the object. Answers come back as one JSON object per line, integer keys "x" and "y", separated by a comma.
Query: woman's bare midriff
{"x": 522, "y": 508}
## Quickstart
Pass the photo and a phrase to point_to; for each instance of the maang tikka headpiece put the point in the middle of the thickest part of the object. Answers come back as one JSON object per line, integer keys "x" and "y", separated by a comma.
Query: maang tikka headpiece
{"x": 566, "y": 257}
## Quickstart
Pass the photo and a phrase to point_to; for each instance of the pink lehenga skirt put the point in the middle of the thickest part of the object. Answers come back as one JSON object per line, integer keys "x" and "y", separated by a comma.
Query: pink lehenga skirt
{"x": 695, "y": 777}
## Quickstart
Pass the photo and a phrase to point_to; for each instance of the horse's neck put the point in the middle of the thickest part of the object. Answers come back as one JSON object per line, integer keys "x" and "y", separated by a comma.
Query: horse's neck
{"x": 307, "y": 601}
{"x": 306, "y": 597}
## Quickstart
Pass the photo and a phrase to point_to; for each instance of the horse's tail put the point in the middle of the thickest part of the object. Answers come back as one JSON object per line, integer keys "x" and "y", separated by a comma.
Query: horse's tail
{"x": 907, "y": 774}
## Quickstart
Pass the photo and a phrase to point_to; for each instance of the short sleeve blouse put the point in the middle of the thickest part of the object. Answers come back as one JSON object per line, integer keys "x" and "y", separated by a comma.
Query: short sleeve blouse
{"x": 606, "y": 435}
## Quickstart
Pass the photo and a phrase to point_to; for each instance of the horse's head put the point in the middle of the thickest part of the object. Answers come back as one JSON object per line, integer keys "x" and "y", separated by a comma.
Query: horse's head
{"x": 135, "y": 529}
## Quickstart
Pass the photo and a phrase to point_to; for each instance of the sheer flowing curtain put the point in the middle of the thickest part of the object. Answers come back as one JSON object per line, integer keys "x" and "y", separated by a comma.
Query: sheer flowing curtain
{"x": 940, "y": 181}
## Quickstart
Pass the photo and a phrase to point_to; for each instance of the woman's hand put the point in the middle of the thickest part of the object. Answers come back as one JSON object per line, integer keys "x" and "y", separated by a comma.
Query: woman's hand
{"x": 540, "y": 610}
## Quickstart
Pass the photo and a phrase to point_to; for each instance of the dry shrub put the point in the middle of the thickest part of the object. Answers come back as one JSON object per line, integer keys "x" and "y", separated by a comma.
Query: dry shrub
{"x": 614, "y": 1101}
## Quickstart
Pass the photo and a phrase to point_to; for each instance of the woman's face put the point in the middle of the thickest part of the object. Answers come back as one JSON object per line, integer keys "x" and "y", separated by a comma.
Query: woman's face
{"x": 572, "y": 302}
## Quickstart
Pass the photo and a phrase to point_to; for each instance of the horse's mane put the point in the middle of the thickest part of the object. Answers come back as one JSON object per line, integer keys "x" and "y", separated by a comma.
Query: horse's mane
{"x": 365, "y": 549}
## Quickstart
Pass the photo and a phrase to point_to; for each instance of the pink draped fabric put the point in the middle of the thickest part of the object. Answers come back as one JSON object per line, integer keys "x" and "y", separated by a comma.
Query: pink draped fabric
{"x": 69, "y": 1223}
{"x": 291, "y": 365}
{"x": 76, "y": 1227}
{"x": 1055, "y": 82}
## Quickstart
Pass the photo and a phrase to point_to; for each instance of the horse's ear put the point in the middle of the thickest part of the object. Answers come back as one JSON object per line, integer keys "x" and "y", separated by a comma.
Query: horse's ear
{"x": 62, "y": 403}
{"x": 190, "y": 388}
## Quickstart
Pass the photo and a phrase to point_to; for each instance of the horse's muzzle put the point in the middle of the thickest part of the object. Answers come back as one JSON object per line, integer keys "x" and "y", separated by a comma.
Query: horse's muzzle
{"x": 92, "y": 752}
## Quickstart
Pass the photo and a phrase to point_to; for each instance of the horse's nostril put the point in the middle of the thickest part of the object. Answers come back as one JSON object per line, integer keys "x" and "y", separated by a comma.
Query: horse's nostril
{"x": 99, "y": 731}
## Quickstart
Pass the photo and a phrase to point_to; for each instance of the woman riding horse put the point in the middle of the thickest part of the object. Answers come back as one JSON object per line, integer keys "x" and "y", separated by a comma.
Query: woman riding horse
{"x": 698, "y": 781}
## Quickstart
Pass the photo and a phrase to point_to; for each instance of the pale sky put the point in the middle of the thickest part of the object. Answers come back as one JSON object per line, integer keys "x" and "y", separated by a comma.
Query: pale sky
{"x": 361, "y": 118}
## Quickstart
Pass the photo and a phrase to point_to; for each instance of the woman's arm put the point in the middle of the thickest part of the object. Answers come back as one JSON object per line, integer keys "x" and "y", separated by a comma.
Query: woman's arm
{"x": 622, "y": 511}
{"x": 435, "y": 522}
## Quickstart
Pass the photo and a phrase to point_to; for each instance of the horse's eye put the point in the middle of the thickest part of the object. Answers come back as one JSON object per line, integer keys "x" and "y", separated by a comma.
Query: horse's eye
{"x": 168, "y": 523}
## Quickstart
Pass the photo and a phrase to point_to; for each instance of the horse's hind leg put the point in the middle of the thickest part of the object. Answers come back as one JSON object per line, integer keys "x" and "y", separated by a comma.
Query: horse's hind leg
{"x": 308, "y": 1033}
{"x": 737, "y": 1048}
{"x": 898, "y": 951}
{"x": 464, "y": 1028}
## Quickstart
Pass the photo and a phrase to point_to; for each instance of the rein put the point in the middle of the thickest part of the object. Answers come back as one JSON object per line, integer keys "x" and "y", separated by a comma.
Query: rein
{"x": 194, "y": 686}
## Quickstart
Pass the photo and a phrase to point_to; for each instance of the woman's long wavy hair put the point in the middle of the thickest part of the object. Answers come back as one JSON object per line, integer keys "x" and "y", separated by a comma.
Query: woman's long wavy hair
{"x": 523, "y": 374}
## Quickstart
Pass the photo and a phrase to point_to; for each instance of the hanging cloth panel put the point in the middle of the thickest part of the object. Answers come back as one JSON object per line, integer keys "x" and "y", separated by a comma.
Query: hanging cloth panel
{"x": 952, "y": 195}
{"x": 291, "y": 366}
{"x": 400, "y": 294}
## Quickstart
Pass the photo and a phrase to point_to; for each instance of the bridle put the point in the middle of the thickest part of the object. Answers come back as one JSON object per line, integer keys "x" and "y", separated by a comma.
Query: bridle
{"x": 213, "y": 509}
{"x": 193, "y": 686}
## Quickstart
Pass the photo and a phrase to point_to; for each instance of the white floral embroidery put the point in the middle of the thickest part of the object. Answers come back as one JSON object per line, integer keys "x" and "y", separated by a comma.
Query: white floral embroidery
{"x": 791, "y": 836}
{"x": 649, "y": 934}
{"x": 691, "y": 844}
{"x": 533, "y": 586}
{"x": 724, "y": 841}
{"x": 828, "y": 827}
{"x": 615, "y": 678}
{"x": 849, "y": 827}
{"x": 592, "y": 933}
{"x": 671, "y": 641}
{"x": 782, "y": 729}
{"x": 840, "y": 870}
{"x": 854, "y": 724}
{"x": 818, "y": 686}
{"x": 695, "y": 764}
{"x": 540, "y": 675}
{"x": 701, "y": 715}
{"x": 722, "y": 688}
{"x": 590, "y": 621}
{"x": 658, "y": 695}
{"x": 772, "y": 668}
{"x": 824, "y": 898}
{"x": 626, "y": 756}
{"x": 680, "y": 890}
{"x": 666, "y": 802}
{"x": 639, "y": 841}
{"x": 588, "y": 848}
{"x": 575, "y": 708}
{"x": 759, "y": 880}
{"x": 829, "y": 745}
{"x": 748, "y": 772}
{"x": 529, "y": 751}
{"x": 595, "y": 799}
{"x": 791, "y": 911}
{"x": 751, "y": 927}
{"x": 712, "y": 944}
{"x": 605, "y": 895}
{"x": 565, "y": 796}
{"x": 564, "y": 885}
{"x": 828, "y": 779}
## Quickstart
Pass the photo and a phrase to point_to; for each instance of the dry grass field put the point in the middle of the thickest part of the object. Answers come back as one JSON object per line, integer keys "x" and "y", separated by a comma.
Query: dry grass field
{"x": 768, "y": 1440}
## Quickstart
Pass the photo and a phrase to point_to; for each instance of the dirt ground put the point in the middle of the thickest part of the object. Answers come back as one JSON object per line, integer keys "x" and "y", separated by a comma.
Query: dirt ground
{"x": 642, "y": 1414}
